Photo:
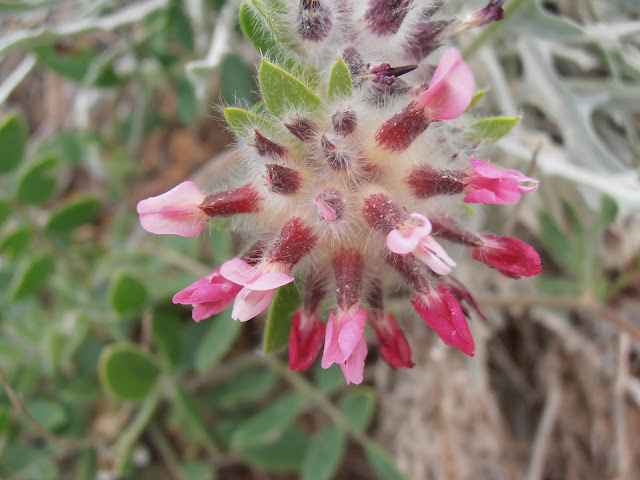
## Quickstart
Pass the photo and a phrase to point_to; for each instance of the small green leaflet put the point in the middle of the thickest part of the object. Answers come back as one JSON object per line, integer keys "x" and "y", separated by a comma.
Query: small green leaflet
{"x": 128, "y": 294}
{"x": 383, "y": 463}
{"x": 243, "y": 122}
{"x": 324, "y": 454}
{"x": 38, "y": 182}
{"x": 285, "y": 302}
{"x": 479, "y": 95}
{"x": 340, "y": 81}
{"x": 127, "y": 372}
{"x": 72, "y": 214}
{"x": 13, "y": 137}
{"x": 281, "y": 90}
{"x": 30, "y": 278}
{"x": 491, "y": 129}
{"x": 358, "y": 406}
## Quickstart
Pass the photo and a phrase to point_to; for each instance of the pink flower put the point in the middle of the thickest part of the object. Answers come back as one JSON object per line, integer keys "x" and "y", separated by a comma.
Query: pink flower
{"x": 259, "y": 286}
{"x": 490, "y": 184}
{"x": 344, "y": 344}
{"x": 393, "y": 344}
{"x": 416, "y": 239}
{"x": 176, "y": 211}
{"x": 442, "y": 312}
{"x": 209, "y": 295}
{"x": 305, "y": 340}
{"x": 450, "y": 90}
{"x": 512, "y": 257}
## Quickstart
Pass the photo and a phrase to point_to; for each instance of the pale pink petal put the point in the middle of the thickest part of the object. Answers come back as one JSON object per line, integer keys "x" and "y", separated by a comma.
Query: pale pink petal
{"x": 401, "y": 243}
{"x": 327, "y": 213}
{"x": 490, "y": 198}
{"x": 214, "y": 292}
{"x": 183, "y": 296}
{"x": 351, "y": 332}
{"x": 486, "y": 169}
{"x": 238, "y": 271}
{"x": 431, "y": 252}
{"x": 353, "y": 367}
{"x": 185, "y": 194}
{"x": 331, "y": 349}
{"x": 425, "y": 225}
{"x": 451, "y": 88}
{"x": 205, "y": 310}
{"x": 269, "y": 281}
{"x": 250, "y": 303}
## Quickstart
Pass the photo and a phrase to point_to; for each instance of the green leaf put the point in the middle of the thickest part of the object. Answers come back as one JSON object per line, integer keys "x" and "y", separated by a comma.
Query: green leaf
{"x": 281, "y": 90}
{"x": 328, "y": 380}
{"x": 218, "y": 339}
{"x": 13, "y": 137}
{"x": 534, "y": 20}
{"x": 479, "y": 95}
{"x": 383, "y": 463}
{"x": 72, "y": 214}
{"x": 127, "y": 372}
{"x": 555, "y": 240}
{"x": 128, "y": 294}
{"x": 38, "y": 182}
{"x": 51, "y": 415}
{"x": 244, "y": 388}
{"x": 285, "y": 302}
{"x": 243, "y": 121}
{"x": 166, "y": 334}
{"x": 68, "y": 146}
{"x": 179, "y": 25}
{"x": 286, "y": 453}
{"x": 358, "y": 406}
{"x": 608, "y": 211}
{"x": 73, "y": 64}
{"x": 31, "y": 277}
{"x": 573, "y": 218}
{"x": 191, "y": 418}
{"x": 267, "y": 426}
{"x": 236, "y": 82}
{"x": 340, "y": 81}
{"x": 28, "y": 462}
{"x": 5, "y": 211}
{"x": 255, "y": 23}
{"x": 196, "y": 470}
{"x": 16, "y": 242}
{"x": 491, "y": 129}
{"x": 324, "y": 455}
{"x": 187, "y": 102}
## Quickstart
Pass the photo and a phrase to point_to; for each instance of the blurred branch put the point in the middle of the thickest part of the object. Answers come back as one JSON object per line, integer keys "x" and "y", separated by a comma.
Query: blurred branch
{"x": 545, "y": 429}
{"x": 124, "y": 16}
{"x": 16, "y": 76}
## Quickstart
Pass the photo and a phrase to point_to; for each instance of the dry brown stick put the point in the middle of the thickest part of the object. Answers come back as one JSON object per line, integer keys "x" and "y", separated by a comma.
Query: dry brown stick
{"x": 545, "y": 429}
{"x": 619, "y": 408}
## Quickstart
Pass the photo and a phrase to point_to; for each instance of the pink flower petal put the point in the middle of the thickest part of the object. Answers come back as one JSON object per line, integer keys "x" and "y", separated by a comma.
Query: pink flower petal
{"x": 305, "y": 340}
{"x": 512, "y": 257}
{"x": 351, "y": 332}
{"x": 269, "y": 281}
{"x": 400, "y": 243}
{"x": 205, "y": 310}
{"x": 451, "y": 88}
{"x": 331, "y": 350}
{"x": 353, "y": 367}
{"x": 393, "y": 344}
{"x": 493, "y": 185}
{"x": 250, "y": 303}
{"x": 238, "y": 271}
{"x": 183, "y": 296}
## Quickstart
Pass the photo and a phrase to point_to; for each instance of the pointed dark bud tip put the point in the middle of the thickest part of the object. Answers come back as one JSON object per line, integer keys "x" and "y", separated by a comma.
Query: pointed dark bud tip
{"x": 267, "y": 148}
{"x": 302, "y": 128}
{"x": 314, "y": 20}
{"x": 353, "y": 60}
{"x": 423, "y": 39}
{"x": 336, "y": 159}
{"x": 231, "y": 202}
{"x": 382, "y": 214}
{"x": 283, "y": 180}
{"x": 426, "y": 181}
{"x": 399, "y": 132}
{"x": 384, "y": 17}
{"x": 296, "y": 239}
{"x": 386, "y": 74}
{"x": 344, "y": 122}
{"x": 491, "y": 13}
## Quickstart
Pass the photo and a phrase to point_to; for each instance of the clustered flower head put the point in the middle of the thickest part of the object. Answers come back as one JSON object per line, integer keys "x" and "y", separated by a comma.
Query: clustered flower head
{"x": 353, "y": 181}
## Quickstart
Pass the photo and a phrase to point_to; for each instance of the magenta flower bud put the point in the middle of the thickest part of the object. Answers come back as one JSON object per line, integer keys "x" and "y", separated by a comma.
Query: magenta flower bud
{"x": 283, "y": 180}
{"x": 245, "y": 199}
{"x": 384, "y": 17}
{"x": 177, "y": 211}
{"x": 259, "y": 285}
{"x": 330, "y": 204}
{"x": 510, "y": 256}
{"x": 209, "y": 295}
{"x": 336, "y": 158}
{"x": 305, "y": 340}
{"x": 296, "y": 239}
{"x": 414, "y": 237}
{"x": 303, "y": 129}
{"x": 267, "y": 148}
{"x": 441, "y": 311}
{"x": 491, "y": 13}
{"x": 393, "y": 344}
{"x": 344, "y": 122}
{"x": 461, "y": 294}
{"x": 489, "y": 184}
{"x": 345, "y": 344}
{"x": 426, "y": 181}
{"x": 314, "y": 20}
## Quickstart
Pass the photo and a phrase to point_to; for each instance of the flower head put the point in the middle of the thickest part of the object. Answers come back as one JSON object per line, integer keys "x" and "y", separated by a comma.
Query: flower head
{"x": 490, "y": 184}
{"x": 209, "y": 295}
{"x": 176, "y": 211}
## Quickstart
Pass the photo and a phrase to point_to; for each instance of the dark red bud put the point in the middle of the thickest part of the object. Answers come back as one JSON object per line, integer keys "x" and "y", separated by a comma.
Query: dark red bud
{"x": 336, "y": 159}
{"x": 410, "y": 269}
{"x": 296, "y": 239}
{"x": 447, "y": 228}
{"x": 314, "y": 20}
{"x": 245, "y": 199}
{"x": 283, "y": 180}
{"x": 382, "y": 214}
{"x": 267, "y": 148}
{"x": 426, "y": 181}
{"x": 399, "y": 132}
{"x": 423, "y": 38}
{"x": 303, "y": 129}
{"x": 348, "y": 267}
{"x": 344, "y": 122}
{"x": 385, "y": 17}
